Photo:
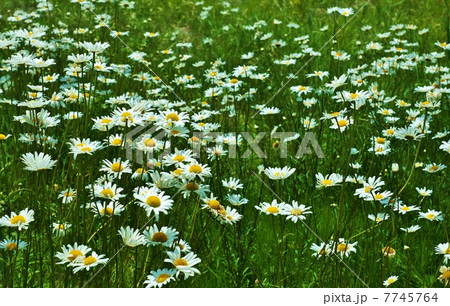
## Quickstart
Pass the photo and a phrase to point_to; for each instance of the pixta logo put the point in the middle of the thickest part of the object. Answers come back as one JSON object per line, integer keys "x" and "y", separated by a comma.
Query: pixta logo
{"x": 151, "y": 142}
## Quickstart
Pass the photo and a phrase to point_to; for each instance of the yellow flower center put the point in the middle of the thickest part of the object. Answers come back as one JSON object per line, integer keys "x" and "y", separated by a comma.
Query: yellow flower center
{"x": 75, "y": 254}
{"x": 106, "y": 211}
{"x": 153, "y": 201}
{"x": 446, "y": 274}
{"x": 323, "y": 252}
{"x": 89, "y": 260}
{"x": 173, "y": 117}
{"x": 214, "y": 204}
{"x": 180, "y": 262}
{"x": 159, "y": 237}
{"x": 272, "y": 209}
{"x": 195, "y": 169}
{"x": 68, "y": 194}
{"x": 233, "y": 81}
{"x": 388, "y": 250}
{"x": 192, "y": 186}
{"x": 162, "y": 277}
{"x": 296, "y": 212}
{"x": 434, "y": 168}
{"x": 140, "y": 170}
{"x": 342, "y": 247}
{"x": 381, "y": 140}
{"x": 86, "y": 149}
{"x": 391, "y": 280}
{"x": 11, "y": 246}
{"x": 179, "y": 158}
{"x": 17, "y": 219}
{"x": 194, "y": 139}
{"x": 335, "y": 114}
{"x": 149, "y": 142}
{"x": 302, "y": 88}
{"x": 342, "y": 122}
{"x": 378, "y": 196}
{"x": 354, "y": 96}
{"x": 117, "y": 167}
{"x": 327, "y": 182}
{"x": 106, "y": 121}
{"x": 2, "y": 137}
{"x": 107, "y": 193}
{"x": 431, "y": 216}
{"x": 177, "y": 172}
{"x": 116, "y": 142}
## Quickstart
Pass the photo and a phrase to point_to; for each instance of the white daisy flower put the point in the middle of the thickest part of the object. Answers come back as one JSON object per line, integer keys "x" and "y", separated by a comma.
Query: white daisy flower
{"x": 160, "y": 278}
{"x": 295, "y": 212}
{"x": 131, "y": 237}
{"x": 153, "y": 201}
{"x": 89, "y": 262}
{"x": 37, "y": 161}
{"x": 183, "y": 264}
{"x": 164, "y": 236}
{"x": 273, "y": 208}
{"x": 117, "y": 167}
{"x": 390, "y": 280}
{"x": 444, "y": 249}
{"x": 72, "y": 254}
{"x": 21, "y": 220}
{"x": 279, "y": 173}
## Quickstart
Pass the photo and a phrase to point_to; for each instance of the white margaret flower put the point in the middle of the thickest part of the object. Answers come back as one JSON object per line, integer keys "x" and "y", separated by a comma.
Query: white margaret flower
{"x": 38, "y": 161}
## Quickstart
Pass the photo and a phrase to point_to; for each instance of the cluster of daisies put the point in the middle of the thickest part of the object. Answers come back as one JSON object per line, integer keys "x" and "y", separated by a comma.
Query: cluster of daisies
{"x": 178, "y": 252}
{"x": 20, "y": 221}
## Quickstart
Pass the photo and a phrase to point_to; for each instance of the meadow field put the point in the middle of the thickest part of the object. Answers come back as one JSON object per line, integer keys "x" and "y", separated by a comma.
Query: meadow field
{"x": 266, "y": 144}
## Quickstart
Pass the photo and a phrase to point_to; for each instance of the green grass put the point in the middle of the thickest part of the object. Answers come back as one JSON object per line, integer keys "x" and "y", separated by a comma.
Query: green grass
{"x": 259, "y": 250}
